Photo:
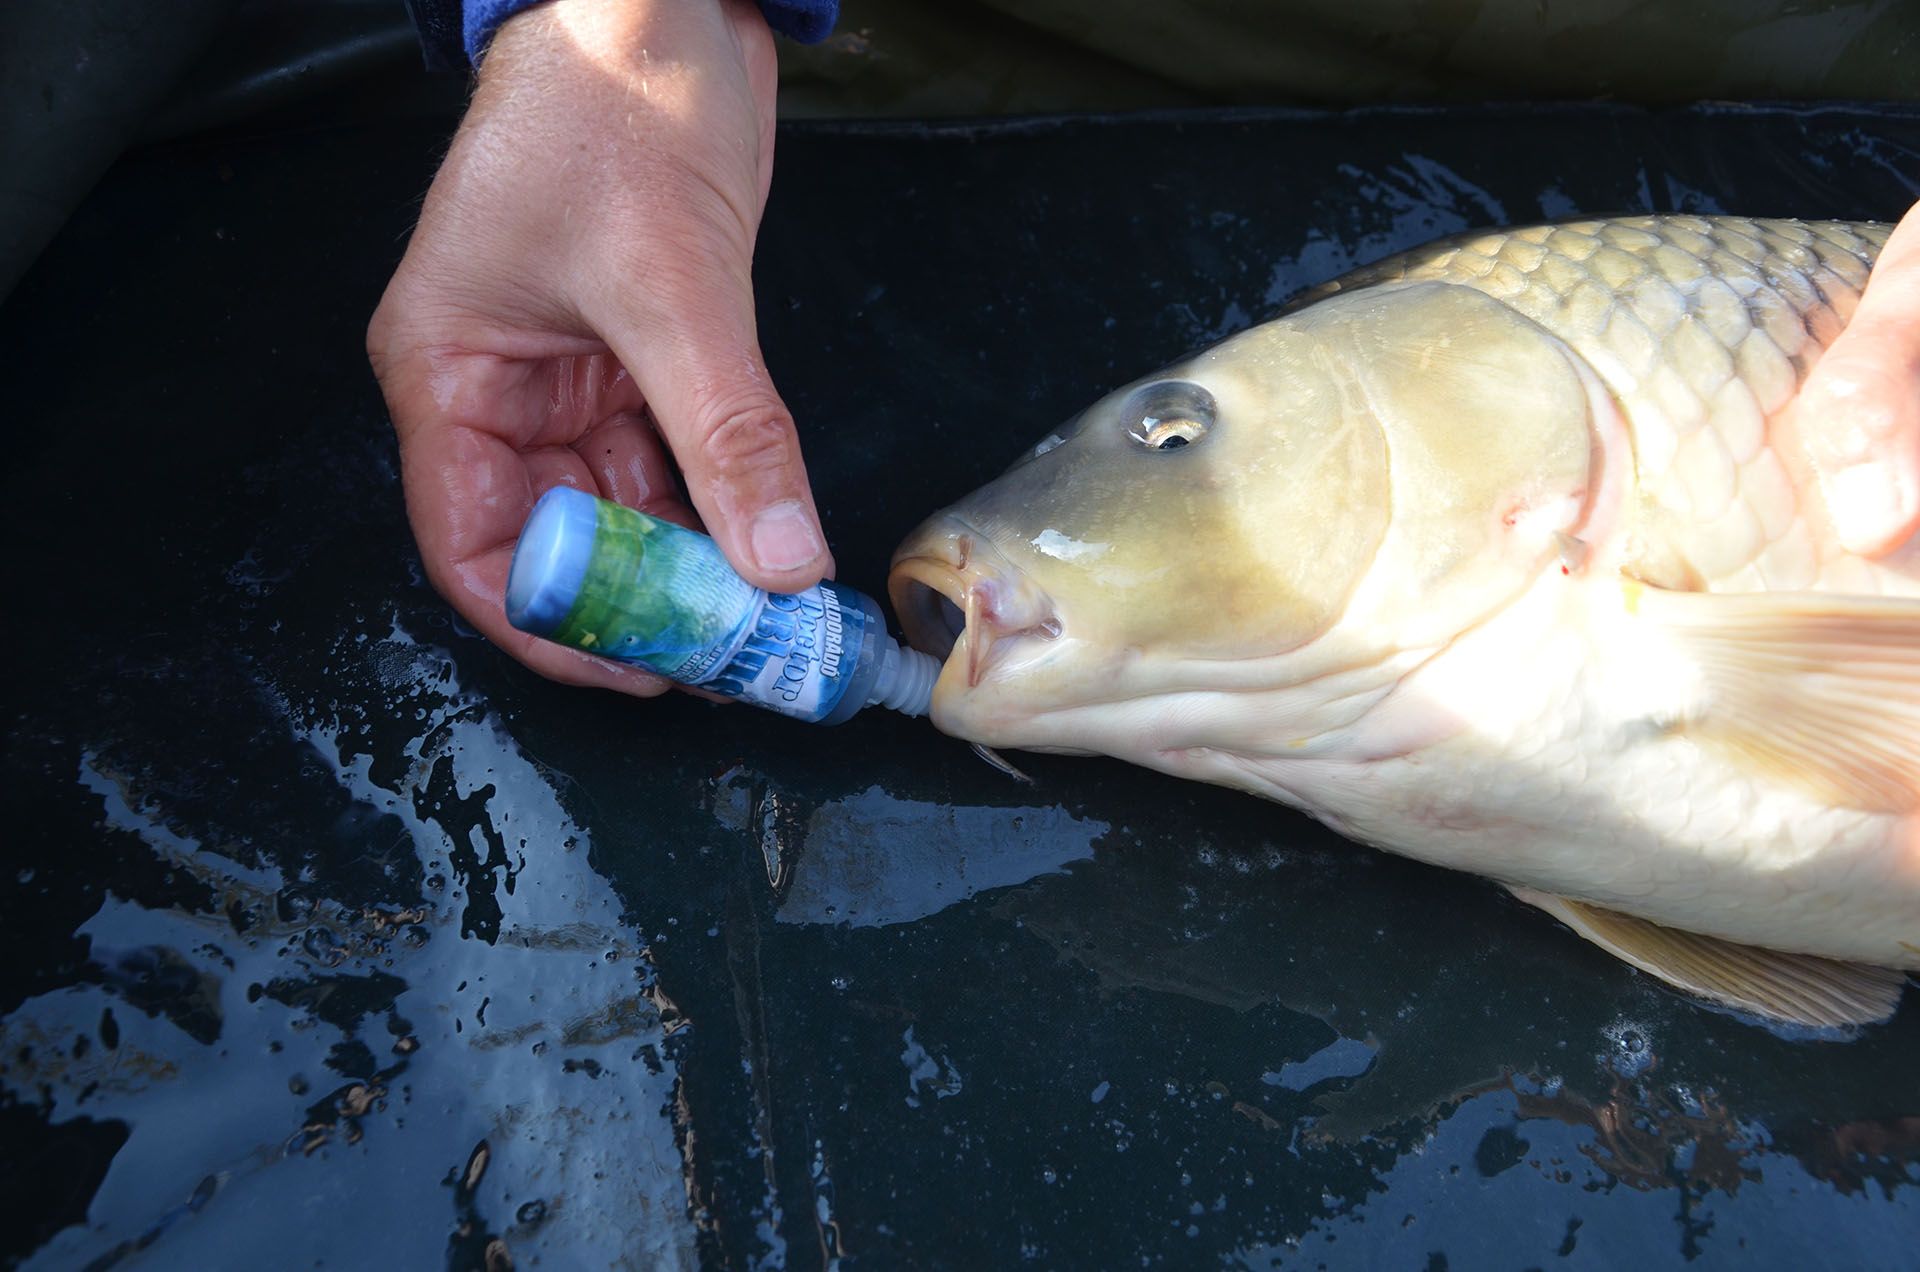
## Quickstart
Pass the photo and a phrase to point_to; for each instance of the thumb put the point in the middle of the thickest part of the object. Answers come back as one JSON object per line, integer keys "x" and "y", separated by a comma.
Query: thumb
{"x": 692, "y": 350}
{"x": 1859, "y": 414}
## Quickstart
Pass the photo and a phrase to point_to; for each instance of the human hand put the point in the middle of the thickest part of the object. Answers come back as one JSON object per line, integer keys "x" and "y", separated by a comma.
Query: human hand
{"x": 1858, "y": 417}
{"x": 576, "y": 306}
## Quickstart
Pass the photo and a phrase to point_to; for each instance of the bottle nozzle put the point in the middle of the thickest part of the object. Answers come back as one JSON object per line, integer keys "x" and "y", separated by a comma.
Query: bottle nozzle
{"x": 906, "y": 680}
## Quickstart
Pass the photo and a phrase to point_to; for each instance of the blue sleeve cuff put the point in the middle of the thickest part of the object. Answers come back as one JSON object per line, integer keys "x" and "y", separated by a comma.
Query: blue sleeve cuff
{"x": 453, "y": 31}
{"x": 802, "y": 21}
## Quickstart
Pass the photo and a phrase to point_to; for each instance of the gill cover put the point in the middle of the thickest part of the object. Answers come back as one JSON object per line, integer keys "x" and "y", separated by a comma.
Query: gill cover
{"x": 1492, "y": 450}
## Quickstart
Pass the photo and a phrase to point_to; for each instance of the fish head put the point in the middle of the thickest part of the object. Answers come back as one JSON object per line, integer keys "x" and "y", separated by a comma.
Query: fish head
{"x": 1311, "y": 495}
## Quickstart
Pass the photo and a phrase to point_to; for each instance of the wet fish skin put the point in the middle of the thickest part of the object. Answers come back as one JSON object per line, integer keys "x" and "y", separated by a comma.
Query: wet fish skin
{"x": 1497, "y": 554}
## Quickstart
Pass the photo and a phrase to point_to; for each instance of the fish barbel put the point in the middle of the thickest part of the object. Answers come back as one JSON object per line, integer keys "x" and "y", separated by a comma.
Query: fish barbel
{"x": 1499, "y": 554}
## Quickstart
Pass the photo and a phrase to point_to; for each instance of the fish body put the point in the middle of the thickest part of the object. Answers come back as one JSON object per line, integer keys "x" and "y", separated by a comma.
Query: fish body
{"x": 1498, "y": 554}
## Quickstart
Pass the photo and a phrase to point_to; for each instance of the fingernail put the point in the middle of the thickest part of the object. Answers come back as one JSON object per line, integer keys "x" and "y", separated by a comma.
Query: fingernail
{"x": 784, "y": 538}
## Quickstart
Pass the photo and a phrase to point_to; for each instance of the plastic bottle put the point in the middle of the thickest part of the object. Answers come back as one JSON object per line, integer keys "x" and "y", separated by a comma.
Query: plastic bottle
{"x": 602, "y": 577}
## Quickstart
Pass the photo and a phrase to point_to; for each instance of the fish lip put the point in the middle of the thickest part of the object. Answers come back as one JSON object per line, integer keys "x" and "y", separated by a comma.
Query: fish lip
{"x": 996, "y": 605}
{"x": 916, "y": 585}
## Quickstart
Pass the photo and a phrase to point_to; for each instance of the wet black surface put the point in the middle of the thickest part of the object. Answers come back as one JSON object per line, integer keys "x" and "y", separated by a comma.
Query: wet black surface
{"x": 330, "y": 936}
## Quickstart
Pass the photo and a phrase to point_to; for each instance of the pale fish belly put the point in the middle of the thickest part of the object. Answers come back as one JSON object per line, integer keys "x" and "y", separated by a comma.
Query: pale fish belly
{"x": 1703, "y": 329}
{"x": 1563, "y": 781}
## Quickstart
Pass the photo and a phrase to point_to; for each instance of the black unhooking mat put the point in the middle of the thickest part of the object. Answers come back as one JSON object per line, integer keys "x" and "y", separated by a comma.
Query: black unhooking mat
{"x": 330, "y": 937}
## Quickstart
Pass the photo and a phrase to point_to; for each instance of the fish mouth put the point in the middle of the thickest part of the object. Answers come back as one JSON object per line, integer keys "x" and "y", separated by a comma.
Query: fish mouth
{"x": 960, "y": 601}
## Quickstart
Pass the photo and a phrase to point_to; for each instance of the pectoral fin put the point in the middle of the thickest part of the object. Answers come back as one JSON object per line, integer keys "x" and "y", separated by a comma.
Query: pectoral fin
{"x": 1798, "y": 988}
{"x": 1822, "y": 692}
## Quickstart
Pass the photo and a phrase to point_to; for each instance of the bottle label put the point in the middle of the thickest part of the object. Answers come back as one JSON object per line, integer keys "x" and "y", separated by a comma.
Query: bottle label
{"x": 798, "y": 654}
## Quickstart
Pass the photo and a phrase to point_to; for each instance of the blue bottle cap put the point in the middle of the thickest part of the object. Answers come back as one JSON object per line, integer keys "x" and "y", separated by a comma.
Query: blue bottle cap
{"x": 550, "y": 562}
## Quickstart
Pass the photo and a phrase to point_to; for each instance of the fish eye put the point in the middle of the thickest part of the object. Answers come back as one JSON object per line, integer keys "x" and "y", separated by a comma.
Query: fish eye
{"x": 1169, "y": 415}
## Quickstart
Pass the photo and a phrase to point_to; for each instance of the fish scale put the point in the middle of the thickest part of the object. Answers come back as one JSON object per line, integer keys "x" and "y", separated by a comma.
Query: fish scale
{"x": 1703, "y": 330}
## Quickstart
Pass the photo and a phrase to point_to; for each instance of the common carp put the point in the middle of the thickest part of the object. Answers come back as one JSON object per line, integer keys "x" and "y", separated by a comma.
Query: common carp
{"x": 1497, "y": 554}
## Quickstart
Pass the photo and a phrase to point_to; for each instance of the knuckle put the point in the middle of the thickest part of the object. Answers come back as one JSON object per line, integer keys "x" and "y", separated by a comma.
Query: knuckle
{"x": 747, "y": 442}
{"x": 1859, "y": 398}
{"x": 379, "y": 334}
{"x": 389, "y": 325}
